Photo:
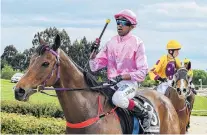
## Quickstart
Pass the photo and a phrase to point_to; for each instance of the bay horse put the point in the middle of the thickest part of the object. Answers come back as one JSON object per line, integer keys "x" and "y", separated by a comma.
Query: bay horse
{"x": 178, "y": 96}
{"x": 182, "y": 79}
{"x": 83, "y": 107}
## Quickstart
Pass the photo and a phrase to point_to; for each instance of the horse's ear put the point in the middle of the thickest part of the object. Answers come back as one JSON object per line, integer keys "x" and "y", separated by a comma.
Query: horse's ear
{"x": 189, "y": 66}
{"x": 57, "y": 43}
{"x": 41, "y": 41}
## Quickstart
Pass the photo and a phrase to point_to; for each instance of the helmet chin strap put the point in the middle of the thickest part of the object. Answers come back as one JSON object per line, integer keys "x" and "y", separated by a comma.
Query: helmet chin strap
{"x": 171, "y": 52}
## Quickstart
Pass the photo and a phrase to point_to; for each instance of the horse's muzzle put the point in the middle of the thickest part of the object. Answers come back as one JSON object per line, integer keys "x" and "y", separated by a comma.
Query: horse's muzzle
{"x": 19, "y": 94}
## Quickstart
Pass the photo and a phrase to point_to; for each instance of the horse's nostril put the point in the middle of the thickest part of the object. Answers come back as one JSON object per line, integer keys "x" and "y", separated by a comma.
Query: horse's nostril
{"x": 19, "y": 91}
{"x": 22, "y": 91}
{"x": 184, "y": 90}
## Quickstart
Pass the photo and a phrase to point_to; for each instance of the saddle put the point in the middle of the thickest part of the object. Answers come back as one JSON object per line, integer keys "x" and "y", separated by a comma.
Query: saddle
{"x": 129, "y": 122}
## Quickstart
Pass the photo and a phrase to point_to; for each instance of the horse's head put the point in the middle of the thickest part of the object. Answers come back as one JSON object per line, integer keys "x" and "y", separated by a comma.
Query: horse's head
{"x": 181, "y": 81}
{"x": 42, "y": 70}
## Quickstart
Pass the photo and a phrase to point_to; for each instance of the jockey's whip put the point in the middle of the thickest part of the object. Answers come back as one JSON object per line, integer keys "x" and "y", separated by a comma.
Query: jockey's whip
{"x": 98, "y": 40}
{"x": 107, "y": 22}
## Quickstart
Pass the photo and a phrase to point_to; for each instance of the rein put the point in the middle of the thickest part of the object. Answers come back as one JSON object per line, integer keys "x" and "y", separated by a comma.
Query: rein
{"x": 40, "y": 89}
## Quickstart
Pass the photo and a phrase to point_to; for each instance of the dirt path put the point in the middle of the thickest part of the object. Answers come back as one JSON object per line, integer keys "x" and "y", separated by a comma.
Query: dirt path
{"x": 198, "y": 125}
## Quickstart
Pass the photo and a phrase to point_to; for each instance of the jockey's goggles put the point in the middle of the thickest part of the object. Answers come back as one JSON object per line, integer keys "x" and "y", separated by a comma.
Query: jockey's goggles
{"x": 123, "y": 22}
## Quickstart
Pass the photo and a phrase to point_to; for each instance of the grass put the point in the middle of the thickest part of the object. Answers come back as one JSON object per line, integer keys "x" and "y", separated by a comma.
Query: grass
{"x": 7, "y": 93}
{"x": 200, "y": 104}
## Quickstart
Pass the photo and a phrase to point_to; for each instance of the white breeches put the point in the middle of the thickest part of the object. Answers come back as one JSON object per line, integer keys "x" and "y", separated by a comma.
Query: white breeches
{"x": 126, "y": 90}
{"x": 162, "y": 87}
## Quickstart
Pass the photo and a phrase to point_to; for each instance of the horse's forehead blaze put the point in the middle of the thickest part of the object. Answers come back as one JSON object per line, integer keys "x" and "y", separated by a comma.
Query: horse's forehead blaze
{"x": 178, "y": 82}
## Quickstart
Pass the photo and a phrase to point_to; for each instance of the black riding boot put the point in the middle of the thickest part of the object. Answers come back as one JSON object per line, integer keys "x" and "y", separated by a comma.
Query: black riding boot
{"x": 142, "y": 113}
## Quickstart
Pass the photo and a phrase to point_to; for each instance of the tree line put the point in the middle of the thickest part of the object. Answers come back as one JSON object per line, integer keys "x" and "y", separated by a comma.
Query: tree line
{"x": 78, "y": 50}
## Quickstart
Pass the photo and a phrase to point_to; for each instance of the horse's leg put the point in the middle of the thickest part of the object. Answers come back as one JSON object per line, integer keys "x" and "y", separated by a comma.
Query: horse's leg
{"x": 191, "y": 100}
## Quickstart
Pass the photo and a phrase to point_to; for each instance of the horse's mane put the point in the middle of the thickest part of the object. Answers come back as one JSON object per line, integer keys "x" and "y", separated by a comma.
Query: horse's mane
{"x": 91, "y": 80}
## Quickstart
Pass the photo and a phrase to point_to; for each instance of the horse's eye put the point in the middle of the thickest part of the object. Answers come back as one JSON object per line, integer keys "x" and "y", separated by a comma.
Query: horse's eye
{"x": 45, "y": 64}
{"x": 176, "y": 76}
{"x": 179, "y": 91}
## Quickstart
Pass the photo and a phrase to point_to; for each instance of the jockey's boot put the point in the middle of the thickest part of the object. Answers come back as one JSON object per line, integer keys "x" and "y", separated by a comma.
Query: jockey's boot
{"x": 143, "y": 113}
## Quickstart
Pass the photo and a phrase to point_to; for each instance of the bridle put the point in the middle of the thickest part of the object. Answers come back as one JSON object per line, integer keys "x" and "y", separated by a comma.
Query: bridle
{"x": 56, "y": 66}
{"x": 178, "y": 77}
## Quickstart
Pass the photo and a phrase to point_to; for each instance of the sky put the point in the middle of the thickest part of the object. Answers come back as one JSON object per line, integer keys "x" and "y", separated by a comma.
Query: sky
{"x": 158, "y": 22}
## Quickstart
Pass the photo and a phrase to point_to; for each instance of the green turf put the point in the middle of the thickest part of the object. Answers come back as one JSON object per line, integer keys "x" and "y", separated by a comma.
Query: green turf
{"x": 7, "y": 93}
{"x": 200, "y": 103}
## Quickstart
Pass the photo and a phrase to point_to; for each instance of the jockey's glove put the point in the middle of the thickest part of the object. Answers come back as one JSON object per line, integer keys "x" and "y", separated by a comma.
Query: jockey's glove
{"x": 116, "y": 79}
{"x": 162, "y": 79}
{"x": 95, "y": 45}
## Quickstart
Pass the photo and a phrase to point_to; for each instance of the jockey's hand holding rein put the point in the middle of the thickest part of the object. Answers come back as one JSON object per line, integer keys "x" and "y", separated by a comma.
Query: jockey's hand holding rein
{"x": 162, "y": 79}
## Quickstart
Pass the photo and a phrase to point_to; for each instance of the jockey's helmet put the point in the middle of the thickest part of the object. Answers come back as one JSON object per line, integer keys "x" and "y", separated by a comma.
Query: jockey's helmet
{"x": 186, "y": 61}
{"x": 173, "y": 45}
{"x": 127, "y": 14}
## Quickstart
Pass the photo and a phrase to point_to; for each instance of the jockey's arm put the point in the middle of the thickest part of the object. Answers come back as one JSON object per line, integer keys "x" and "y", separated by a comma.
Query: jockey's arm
{"x": 154, "y": 72}
{"x": 178, "y": 63}
{"x": 141, "y": 66}
{"x": 99, "y": 61}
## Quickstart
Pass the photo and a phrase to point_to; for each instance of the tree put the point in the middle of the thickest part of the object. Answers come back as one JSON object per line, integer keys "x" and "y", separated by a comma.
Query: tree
{"x": 3, "y": 63}
{"x": 18, "y": 61}
{"x": 7, "y": 72}
{"x": 9, "y": 53}
{"x": 65, "y": 41}
{"x": 199, "y": 74}
{"x": 48, "y": 35}
{"x": 27, "y": 55}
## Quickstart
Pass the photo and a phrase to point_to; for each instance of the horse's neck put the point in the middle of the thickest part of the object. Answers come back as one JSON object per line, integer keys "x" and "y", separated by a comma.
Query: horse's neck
{"x": 77, "y": 105}
{"x": 177, "y": 100}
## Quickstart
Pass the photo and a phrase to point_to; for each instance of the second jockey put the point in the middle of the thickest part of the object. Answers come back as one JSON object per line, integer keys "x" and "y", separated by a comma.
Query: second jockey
{"x": 166, "y": 66}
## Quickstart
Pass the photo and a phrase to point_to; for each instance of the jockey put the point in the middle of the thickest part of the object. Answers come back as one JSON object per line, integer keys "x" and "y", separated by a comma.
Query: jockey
{"x": 126, "y": 62}
{"x": 187, "y": 65}
{"x": 166, "y": 66}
